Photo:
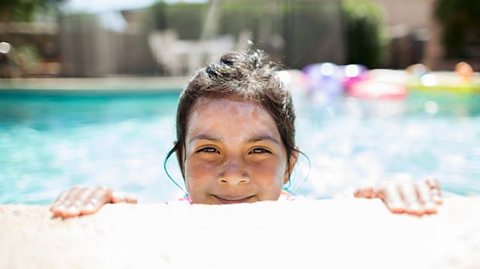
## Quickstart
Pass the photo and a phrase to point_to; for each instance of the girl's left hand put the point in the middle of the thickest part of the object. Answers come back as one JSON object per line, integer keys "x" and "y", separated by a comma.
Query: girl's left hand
{"x": 405, "y": 196}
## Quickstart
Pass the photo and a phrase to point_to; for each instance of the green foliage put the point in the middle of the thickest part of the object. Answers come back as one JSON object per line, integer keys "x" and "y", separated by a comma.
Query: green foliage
{"x": 305, "y": 26}
{"x": 365, "y": 33}
{"x": 237, "y": 16}
{"x": 299, "y": 26}
{"x": 461, "y": 24}
{"x": 24, "y": 10}
{"x": 186, "y": 18}
{"x": 22, "y": 61}
{"x": 159, "y": 15}
{"x": 27, "y": 58}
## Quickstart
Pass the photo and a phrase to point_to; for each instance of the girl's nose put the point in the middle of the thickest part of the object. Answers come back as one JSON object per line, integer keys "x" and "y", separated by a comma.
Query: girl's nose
{"x": 234, "y": 181}
{"x": 233, "y": 173}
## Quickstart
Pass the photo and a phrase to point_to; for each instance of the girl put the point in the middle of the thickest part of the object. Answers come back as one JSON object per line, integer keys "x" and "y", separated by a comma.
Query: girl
{"x": 236, "y": 144}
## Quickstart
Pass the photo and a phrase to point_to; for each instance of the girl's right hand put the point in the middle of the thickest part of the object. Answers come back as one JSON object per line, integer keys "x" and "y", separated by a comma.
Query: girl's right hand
{"x": 406, "y": 196}
{"x": 84, "y": 201}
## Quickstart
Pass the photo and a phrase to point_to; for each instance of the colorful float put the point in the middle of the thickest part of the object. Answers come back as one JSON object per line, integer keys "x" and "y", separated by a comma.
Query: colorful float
{"x": 380, "y": 84}
{"x": 463, "y": 81}
{"x": 331, "y": 80}
{"x": 355, "y": 81}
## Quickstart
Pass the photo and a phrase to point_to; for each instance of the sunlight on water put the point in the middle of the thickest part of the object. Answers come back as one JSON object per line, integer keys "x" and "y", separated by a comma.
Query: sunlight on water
{"x": 50, "y": 143}
{"x": 355, "y": 142}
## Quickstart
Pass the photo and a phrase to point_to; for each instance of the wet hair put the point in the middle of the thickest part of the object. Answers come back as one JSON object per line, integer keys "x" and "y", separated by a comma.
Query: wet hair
{"x": 245, "y": 75}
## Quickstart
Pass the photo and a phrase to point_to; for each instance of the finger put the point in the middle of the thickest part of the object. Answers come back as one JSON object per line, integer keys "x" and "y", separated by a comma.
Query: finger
{"x": 392, "y": 198}
{"x": 365, "y": 192}
{"x": 60, "y": 208}
{"x": 435, "y": 188}
{"x": 97, "y": 198}
{"x": 131, "y": 198}
{"x": 425, "y": 197}
{"x": 75, "y": 204}
{"x": 118, "y": 197}
{"x": 59, "y": 201}
{"x": 123, "y": 197}
{"x": 437, "y": 197}
{"x": 379, "y": 192}
{"x": 433, "y": 183}
{"x": 410, "y": 196}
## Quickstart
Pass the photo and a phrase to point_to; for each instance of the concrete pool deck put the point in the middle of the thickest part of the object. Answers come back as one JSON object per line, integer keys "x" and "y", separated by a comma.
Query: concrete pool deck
{"x": 447, "y": 81}
{"x": 341, "y": 233}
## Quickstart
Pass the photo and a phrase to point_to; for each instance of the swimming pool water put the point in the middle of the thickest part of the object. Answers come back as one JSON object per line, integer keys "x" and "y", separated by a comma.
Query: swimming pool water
{"x": 50, "y": 142}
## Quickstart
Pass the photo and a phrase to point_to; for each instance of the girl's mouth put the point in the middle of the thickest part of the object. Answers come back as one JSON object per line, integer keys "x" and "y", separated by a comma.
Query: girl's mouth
{"x": 232, "y": 199}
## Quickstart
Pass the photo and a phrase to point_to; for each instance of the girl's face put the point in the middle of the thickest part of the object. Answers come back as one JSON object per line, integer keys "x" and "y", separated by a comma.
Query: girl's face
{"x": 233, "y": 153}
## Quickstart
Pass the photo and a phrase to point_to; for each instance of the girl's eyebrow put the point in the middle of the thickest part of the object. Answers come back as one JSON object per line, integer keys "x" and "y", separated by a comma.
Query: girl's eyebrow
{"x": 264, "y": 137}
{"x": 204, "y": 137}
{"x": 251, "y": 140}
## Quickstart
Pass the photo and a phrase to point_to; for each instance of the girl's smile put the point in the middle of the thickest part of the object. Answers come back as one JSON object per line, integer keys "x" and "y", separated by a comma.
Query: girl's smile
{"x": 233, "y": 153}
{"x": 233, "y": 199}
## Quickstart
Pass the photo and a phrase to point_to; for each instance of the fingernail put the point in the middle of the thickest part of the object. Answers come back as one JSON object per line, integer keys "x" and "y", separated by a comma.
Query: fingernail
{"x": 430, "y": 207}
{"x": 414, "y": 206}
{"x": 72, "y": 209}
{"x": 416, "y": 209}
{"x": 58, "y": 210}
{"x": 90, "y": 207}
{"x": 396, "y": 207}
{"x": 437, "y": 199}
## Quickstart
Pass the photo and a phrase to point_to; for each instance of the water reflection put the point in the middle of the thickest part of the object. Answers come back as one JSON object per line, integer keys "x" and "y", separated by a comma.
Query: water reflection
{"x": 48, "y": 144}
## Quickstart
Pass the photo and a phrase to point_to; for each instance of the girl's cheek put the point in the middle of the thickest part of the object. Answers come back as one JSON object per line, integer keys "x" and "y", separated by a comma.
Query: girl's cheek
{"x": 265, "y": 174}
{"x": 272, "y": 167}
{"x": 198, "y": 170}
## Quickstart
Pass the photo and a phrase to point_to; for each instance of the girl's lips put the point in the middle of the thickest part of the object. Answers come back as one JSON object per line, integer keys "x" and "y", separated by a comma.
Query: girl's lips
{"x": 233, "y": 200}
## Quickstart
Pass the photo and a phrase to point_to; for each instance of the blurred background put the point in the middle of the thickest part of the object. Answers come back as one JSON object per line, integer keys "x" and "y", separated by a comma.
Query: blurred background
{"x": 383, "y": 89}
{"x": 73, "y": 38}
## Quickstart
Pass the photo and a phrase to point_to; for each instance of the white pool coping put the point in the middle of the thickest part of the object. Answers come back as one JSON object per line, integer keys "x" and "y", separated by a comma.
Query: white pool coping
{"x": 342, "y": 233}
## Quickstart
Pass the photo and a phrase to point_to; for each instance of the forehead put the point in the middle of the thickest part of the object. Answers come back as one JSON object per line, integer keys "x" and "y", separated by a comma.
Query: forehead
{"x": 230, "y": 103}
{"x": 231, "y": 112}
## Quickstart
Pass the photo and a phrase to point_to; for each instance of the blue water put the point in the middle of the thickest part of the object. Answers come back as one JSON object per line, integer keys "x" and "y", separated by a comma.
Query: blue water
{"x": 50, "y": 142}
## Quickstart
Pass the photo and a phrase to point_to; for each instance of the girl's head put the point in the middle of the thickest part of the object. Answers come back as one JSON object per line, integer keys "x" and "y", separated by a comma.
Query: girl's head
{"x": 235, "y": 131}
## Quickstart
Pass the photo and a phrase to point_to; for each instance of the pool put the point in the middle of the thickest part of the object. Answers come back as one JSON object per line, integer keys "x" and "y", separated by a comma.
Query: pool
{"x": 50, "y": 142}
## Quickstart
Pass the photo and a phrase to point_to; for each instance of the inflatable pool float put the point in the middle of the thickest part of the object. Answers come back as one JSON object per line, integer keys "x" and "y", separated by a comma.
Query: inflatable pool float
{"x": 463, "y": 80}
{"x": 380, "y": 84}
{"x": 445, "y": 81}
{"x": 324, "y": 78}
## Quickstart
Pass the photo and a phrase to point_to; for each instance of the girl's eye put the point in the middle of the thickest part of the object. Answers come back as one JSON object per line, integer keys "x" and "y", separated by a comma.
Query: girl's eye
{"x": 208, "y": 150}
{"x": 259, "y": 151}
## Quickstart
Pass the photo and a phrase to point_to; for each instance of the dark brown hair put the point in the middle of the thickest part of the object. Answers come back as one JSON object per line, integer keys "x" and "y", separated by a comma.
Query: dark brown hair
{"x": 248, "y": 76}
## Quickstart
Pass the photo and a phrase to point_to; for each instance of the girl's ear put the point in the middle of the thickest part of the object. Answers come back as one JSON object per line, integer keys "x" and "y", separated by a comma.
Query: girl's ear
{"x": 291, "y": 165}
